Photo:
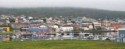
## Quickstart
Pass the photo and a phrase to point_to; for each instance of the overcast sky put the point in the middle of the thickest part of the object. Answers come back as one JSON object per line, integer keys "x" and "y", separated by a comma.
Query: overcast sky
{"x": 99, "y": 4}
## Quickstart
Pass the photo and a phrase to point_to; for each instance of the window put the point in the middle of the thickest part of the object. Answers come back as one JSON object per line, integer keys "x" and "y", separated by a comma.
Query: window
{"x": 122, "y": 35}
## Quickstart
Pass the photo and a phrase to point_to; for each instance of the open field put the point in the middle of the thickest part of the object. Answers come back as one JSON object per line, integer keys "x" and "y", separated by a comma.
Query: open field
{"x": 64, "y": 44}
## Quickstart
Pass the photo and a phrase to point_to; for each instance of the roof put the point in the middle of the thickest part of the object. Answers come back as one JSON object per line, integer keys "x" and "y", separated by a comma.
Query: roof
{"x": 121, "y": 29}
{"x": 67, "y": 26}
{"x": 39, "y": 30}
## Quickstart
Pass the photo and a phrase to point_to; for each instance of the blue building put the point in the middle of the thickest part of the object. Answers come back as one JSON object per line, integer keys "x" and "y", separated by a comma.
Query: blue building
{"x": 39, "y": 30}
{"x": 121, "y": 35}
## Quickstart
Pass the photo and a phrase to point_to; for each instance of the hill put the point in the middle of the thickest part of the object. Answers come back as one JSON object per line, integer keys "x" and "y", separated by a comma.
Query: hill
{"x": 94, "y": 13}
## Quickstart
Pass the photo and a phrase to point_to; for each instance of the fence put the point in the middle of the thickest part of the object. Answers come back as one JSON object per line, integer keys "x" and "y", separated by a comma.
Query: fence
{"x": 37, "y": 36}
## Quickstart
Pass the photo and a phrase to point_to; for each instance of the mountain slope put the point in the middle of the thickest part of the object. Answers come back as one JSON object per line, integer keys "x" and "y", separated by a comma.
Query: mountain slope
{"x": 94, "y": 13}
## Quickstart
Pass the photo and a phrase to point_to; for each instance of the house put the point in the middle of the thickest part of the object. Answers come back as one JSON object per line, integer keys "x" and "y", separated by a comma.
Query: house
{"x": 66, "y": 28}
{"x": 56, "y": 28}
{"x": 106, "y": 24}
{"x": 40, "y": 30}
{"x": 86, "y": 26}
{"x": 76, "y": 26}
{"x": 19, "y": 25}
{"x": 118, "y": 25}
{"x": 36, "y": 21}
{"x": 4, "y": 29}
{"x": 96, "y": 23}
{"x": 2, "y": 21}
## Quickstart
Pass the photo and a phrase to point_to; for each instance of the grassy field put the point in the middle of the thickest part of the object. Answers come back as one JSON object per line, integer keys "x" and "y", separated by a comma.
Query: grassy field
{"x": 64, "y": 44}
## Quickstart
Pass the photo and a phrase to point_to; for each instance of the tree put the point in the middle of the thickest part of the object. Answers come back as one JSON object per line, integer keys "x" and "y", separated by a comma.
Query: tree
{"x": 11, "y": 20}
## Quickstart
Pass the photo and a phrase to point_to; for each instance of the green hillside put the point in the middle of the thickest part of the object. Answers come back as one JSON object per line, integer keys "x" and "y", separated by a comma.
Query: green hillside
{"x": 94, "y": 13}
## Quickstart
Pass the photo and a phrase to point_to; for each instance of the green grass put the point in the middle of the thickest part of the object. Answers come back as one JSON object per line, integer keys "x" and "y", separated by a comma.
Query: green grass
{"x": 64, "y": 44}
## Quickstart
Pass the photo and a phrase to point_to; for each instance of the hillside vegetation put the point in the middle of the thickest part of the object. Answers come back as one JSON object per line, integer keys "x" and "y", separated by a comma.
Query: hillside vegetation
{"x": 94, "y": 13}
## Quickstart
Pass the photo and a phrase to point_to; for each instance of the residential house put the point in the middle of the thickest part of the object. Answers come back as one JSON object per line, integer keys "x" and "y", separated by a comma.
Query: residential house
{"x": 66, "y": 28}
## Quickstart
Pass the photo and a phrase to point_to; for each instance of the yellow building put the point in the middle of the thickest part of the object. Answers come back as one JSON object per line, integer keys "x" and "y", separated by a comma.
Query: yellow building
{"x": 7, "y": 29}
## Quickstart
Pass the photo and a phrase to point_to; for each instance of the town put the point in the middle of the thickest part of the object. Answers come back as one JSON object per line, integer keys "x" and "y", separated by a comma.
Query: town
{"x": 62, "y": 24}
{"x": 21, "y": 28}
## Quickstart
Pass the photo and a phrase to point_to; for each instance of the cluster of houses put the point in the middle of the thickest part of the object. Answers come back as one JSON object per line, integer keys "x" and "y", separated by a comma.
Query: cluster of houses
{"x": 59, "y": 27}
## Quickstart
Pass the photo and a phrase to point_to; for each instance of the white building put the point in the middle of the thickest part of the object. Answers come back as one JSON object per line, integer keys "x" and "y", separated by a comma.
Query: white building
{"x": 56, "y": 27}
{"x": 66, "y": 28}
{"x": 97, "y": 24}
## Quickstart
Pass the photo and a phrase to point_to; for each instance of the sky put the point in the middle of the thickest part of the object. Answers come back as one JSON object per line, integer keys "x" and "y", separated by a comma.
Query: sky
{"x": 118, "y": 5}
